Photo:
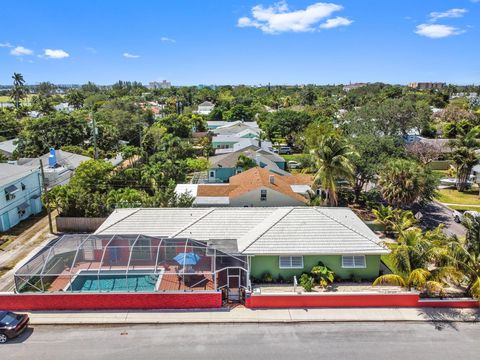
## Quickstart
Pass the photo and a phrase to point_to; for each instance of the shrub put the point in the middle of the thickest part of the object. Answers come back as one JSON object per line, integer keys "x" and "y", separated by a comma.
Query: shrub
{"x": 322, "y": 274}
{"x": 267, "y": 277}
{"x": 307, "y": 282}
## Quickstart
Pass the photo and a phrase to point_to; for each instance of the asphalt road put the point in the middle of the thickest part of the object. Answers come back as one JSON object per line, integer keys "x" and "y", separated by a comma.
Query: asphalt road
{"x": 264, "y": 341}
{"x": 435, "y": 214}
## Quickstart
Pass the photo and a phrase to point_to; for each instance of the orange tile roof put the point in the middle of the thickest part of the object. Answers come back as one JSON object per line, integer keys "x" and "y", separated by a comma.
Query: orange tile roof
{"x": 258, "y": 177}
{"x": 215, "y": 190}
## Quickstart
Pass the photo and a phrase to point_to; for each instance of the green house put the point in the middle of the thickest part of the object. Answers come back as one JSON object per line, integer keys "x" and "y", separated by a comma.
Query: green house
{"x": 280, "y": 241}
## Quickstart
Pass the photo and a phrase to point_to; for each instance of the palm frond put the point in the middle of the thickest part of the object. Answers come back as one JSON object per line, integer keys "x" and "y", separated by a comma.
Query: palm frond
{"x": 389, "y": 279}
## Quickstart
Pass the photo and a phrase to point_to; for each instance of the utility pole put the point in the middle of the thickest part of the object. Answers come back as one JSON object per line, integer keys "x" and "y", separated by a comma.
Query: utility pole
{"x": 94, "y": 129}
{"x": 47, "y": 201}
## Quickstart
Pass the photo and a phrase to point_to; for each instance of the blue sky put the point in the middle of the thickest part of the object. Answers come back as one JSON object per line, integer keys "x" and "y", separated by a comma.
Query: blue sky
{"x": 193, "y": 42}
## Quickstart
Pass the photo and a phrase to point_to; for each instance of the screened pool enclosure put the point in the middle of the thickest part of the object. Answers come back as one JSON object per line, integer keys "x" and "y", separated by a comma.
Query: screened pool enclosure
{"x": 131, "y": 263}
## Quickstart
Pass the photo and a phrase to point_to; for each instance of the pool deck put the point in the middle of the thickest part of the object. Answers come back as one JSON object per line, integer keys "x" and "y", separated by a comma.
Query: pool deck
{"x": 170, "y": 281}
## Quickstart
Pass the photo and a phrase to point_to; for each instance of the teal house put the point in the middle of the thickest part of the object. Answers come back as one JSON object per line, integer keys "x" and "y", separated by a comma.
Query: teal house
{"x": 224, "y": 166}
{"x": 20, "y": 190}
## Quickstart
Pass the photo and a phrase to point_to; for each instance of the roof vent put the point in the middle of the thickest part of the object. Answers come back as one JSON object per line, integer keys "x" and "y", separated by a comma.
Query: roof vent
{"x": 272, "y": 179}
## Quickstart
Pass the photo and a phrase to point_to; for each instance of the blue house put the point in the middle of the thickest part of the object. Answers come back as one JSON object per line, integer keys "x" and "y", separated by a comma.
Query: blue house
{"x": 224, "y": 166}
{"x": 20, "y": 190}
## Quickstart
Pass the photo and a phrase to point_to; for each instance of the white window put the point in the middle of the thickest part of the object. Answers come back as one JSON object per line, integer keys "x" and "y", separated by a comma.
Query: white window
{"x": 263, "y": 195}
{"x": 291, "y": 262}
{"x": 357, "y": 261}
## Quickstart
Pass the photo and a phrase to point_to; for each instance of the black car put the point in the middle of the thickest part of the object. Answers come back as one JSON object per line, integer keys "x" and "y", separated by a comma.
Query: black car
{"x": 12, "y": 325}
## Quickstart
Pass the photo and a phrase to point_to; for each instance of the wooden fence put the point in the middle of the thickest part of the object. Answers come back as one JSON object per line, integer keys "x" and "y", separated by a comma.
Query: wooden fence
{"x": 78, "y": 224}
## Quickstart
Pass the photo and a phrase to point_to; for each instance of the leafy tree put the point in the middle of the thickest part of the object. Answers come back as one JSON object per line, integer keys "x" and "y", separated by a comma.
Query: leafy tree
{"x": 9, "y": 125}
{"x": 404, "y": 182}
{"x": 424, "y": 152}
{"x": 394, "y": 220}
{"x": 43, "y": 105}
{"x": 287, "y": 124}
{"x": 245, "y": 163}
{"x": 126, "y": 198}
{"x": 372, "y": 152}
{"x": 75, "y": 98}
{"x": 53, "y": 130}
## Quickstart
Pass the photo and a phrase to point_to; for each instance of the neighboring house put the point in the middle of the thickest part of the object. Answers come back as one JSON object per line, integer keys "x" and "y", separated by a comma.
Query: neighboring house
{"x": 255, "y": 187}
{"x": 65, "y": 107}
{"x": 20, "y": 190}
{"x": 354, "y": 86}
{"x": 224, "y": 166}
{"x": 427, "y": 85}
{"x": 211, "y": 125}
{"x": 237, "y": 127}
{"x": 7, "y": 147}
{"x": 58, "y": 165}
{"x": 205, "y": 108}
{"x": 283, "y": 241}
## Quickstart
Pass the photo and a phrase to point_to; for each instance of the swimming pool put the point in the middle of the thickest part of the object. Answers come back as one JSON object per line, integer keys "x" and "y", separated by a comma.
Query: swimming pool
{"x": 115, "y": 280}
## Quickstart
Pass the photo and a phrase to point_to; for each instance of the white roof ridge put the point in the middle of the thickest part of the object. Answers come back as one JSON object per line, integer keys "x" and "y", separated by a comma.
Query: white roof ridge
{"x": 349, "y": 227}
{"x": 123, "y": 218}
{"x": 191, "y": 223}
{"x": 255, "y": 233}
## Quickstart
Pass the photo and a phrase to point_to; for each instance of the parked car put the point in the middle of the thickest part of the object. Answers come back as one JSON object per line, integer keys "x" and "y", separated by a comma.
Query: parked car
{"x": 292, "y": 164}
{"x": 458, "y": 215}
{"x": 285, "y": 150}
{"x": 12, "y": 325}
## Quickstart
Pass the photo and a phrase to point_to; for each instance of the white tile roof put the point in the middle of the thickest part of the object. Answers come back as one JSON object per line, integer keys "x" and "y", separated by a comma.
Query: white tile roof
{"x": 274, "y": 231}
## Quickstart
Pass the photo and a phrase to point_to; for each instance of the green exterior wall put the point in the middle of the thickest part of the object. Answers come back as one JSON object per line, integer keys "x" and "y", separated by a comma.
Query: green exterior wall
{"x": 262, "y": 264}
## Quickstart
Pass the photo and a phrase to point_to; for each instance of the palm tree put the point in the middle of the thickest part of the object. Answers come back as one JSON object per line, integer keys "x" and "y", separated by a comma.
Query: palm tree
{"x": 464, "y": 155}
{"x": 394, "y": 219}
{"x": 18, "y": 91}
{"x": 245, "y": 163}
{"x": 332, "y": 157}
{"x": 414, "y": 253}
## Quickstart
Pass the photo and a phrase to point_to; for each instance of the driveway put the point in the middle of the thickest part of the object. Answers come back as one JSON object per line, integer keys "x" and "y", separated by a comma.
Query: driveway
{"x": 435, "y": 214}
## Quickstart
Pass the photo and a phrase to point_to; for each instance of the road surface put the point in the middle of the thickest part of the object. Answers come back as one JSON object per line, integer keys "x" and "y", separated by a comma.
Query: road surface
{"x": 435, "y": 214}
{"x": 390, "y": 340}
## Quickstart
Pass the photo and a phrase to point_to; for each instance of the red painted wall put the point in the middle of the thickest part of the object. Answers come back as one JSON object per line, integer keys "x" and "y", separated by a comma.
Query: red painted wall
{"x": 109, "y": 301}
{"x": 447, "y": 303}
{"x": 345, "y": 301}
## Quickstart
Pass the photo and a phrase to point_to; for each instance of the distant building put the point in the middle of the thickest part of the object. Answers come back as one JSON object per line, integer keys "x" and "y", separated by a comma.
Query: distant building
{"x": 354, "y": 86}
{"x": 58, "y": 165}
{"x": 164, "y": 84}
{"x": 255, "y": 187}
{"x": 205, "y": 108}
{"x": 7, "y": 147}
{"x": 427, "y": 85}
{"x": 20, "y": 190}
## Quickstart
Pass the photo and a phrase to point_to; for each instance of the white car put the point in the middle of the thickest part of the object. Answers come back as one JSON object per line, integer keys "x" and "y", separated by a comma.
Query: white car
{"x": 458, "y": 215}
{"x": 292, "y": 164}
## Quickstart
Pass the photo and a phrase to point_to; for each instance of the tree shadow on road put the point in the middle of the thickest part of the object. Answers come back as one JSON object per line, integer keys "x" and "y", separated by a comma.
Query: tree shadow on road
{"x": 440, "y": 318}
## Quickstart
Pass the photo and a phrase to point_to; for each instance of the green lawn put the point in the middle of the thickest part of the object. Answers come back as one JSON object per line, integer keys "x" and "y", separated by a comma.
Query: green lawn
{"x": 452, "y": 196}
{"x": 465, "y": 207}
{"x": 6, "y": 98}
{"x": 295, "y": 157}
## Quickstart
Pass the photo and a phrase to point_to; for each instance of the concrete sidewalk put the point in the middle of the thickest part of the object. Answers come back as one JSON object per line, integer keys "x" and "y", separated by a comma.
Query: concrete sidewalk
{"x": 243, "y": 315}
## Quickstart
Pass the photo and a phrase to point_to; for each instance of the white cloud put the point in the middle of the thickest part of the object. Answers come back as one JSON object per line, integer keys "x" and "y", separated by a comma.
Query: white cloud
{"x": 55, "y": 54}
{"x": 277, "y": 18}
{"x": 166, "y": 39}
{"x": 20, "y": 51}
{"x": 6, "y": 45}
{"x": 336, "y": 22}
{"x": 130, "y": 56}
{"x": 452, "y": 13}
{"x": 437, "y": 31}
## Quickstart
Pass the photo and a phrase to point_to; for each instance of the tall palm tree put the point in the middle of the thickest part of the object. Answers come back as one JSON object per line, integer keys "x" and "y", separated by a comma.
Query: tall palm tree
{"x": 464, "y": 155}
{"x": 18, "y": 91}
{"x": 332, "y": 157}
